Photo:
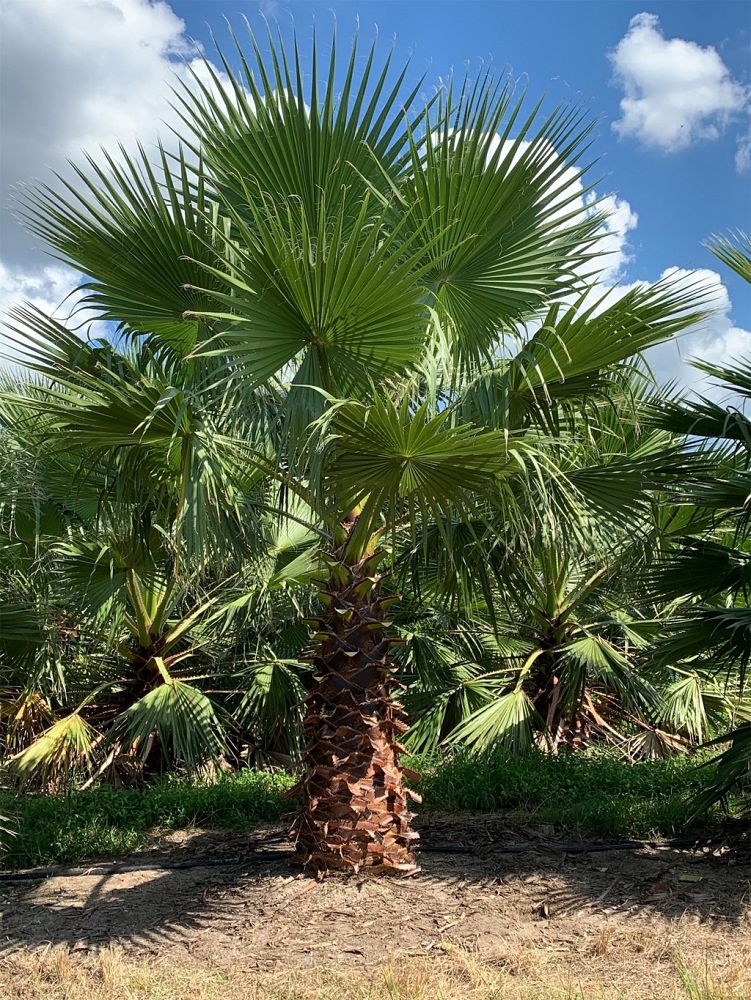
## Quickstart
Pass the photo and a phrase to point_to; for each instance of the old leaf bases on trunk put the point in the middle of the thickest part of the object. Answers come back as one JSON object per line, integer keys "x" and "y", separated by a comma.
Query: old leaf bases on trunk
{"x": 354, "y": 811}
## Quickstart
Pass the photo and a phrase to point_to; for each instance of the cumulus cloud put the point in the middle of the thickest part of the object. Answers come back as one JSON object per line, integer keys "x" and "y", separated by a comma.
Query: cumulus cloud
{"x": 52, "y": 288}
{"x": 743, "y": 152}
{"x": 95, "y": 74}
{"x": 715, "y": 339}
{"x": 613, "y": 243}
{"x": 675, "y": 91}
{"x": 47, "y": 288}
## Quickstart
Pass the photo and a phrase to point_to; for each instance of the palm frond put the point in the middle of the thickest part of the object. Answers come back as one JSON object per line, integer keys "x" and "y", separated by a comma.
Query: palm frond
{"x": 63, "y": 749}
{"x": 138, "y": 231}
{"x": 508, "y": 720}
{"x": 180, "y": 716}
{"x": 735, "y": 251}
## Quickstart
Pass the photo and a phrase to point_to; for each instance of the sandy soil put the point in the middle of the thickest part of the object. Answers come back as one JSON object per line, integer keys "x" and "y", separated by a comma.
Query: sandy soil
{"x": 621, "y": 917}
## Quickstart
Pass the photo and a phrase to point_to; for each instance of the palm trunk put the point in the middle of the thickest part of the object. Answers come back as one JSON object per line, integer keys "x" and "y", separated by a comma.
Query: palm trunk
{"x": 564, "y": 725}
{"x": 144, "y": 676}
{"x": 354, "y": 812}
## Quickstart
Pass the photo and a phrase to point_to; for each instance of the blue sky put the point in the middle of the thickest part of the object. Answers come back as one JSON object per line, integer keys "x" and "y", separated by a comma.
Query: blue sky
{"x": 669, "y": 156}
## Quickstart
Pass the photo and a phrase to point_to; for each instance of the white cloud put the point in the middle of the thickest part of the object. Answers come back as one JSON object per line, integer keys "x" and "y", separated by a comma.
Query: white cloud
{"x": 675, "y": 91}
{"x": 613, "y": 243}
{"x": 716, "y": 339}
{"x": 743, "y": 152}
{"x": 95, "y": 73}
{"x": 47, "y": 288}
{"x": 50, "y": 288}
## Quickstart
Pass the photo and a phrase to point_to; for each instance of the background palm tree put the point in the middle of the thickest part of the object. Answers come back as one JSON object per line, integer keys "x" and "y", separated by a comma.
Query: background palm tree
{"x": 707, "y": 569}
{"x": 118, "y": 603}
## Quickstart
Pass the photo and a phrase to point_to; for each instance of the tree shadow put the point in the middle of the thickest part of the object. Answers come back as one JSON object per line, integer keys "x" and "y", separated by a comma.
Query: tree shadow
{"x": 481, "y": 876}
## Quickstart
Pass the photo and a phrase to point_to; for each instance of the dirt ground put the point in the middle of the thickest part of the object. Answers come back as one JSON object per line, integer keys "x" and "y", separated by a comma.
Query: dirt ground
{"x": 621, "y": 924}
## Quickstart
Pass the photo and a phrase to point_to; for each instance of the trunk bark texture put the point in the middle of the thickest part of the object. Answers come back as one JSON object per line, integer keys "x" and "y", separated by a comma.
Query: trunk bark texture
{"x": 564, "y": 725}
{"x": 354, "y": 812}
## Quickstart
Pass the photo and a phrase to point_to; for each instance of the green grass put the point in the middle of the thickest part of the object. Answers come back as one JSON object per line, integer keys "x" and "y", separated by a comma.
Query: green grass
{"x": 110, "y": 822}
{"x": 595, "y": 794}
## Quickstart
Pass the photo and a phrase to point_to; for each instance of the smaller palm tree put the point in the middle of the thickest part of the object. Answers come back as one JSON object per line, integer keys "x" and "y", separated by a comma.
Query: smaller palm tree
{"x": 123, "y": 597}
{"x": 708, "y": 641}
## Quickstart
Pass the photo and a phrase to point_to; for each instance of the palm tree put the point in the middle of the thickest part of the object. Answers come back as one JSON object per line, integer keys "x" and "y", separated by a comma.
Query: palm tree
{"x": 551, "y": 643}
{"x": 116, "y": 611}
{"x": 707, "y": 570}
{"x": 406, "y": 288}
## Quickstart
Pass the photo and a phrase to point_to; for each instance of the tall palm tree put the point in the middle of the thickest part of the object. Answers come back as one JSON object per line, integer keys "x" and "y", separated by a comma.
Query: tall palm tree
{"x": 406, "y": 280}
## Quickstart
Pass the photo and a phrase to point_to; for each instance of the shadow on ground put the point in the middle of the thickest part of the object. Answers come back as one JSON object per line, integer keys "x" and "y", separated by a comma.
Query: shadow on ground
{"x": 468, "y": 892}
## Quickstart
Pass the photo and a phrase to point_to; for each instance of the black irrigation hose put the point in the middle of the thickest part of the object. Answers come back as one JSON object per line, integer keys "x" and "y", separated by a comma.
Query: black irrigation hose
{"x": 32, "y": 874}
{"x": 582, "y": 848}
{"x": 227, "y": 860}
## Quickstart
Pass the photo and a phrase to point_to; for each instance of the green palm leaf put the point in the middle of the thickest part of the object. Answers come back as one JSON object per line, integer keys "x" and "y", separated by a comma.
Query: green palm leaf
{"x": 267, "y": 135}
{"x": 502, "y": 224}
{"x": 508, "y": 720}
{"x": 386, "y": 458}
{"x": 735, "y": 251}
{"x": 341, "y": 305}
{"x": 138, "y": 231}
{"x": 180, "y": 715}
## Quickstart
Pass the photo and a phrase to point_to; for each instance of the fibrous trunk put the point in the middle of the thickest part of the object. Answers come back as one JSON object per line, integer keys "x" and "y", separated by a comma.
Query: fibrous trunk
{"x": 564, "y": 724}
{"x": 354, "y": 811}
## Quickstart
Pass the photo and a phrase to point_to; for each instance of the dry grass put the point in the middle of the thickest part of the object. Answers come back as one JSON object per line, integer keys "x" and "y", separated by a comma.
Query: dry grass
{"x": 453, "y": 974}
{"x": 613, "y": 926}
